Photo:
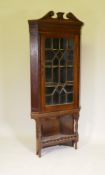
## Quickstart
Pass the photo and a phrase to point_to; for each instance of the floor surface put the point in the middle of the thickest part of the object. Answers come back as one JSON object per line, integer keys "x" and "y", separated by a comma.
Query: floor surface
{"x": 17, "y": 157}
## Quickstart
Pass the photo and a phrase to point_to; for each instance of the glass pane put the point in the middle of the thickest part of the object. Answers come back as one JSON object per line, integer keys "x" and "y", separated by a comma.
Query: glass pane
{"x": 70, "y": 97}
{"x": 63, "y": 43}
{"x": 55, "y": 54}
{"x": 55, "y": 75}
{"x": 48, "y": 100}
{"x": 69, "y": 88}
{"x": 48, "y": 74}
{"x": 49, "y": 54}
{"x": 70, "y": 43}
{"x": 56, "y": 98}
{"x": 48, "y": 63}
{"x": 70, "y": 73}
{"x": 63, "y": 97}
{"x": 70, "y": 57}
{"x": 55, "y": 43}
{"x": 55, "y": 61}
{"x": 49, "y": 90}
{"x": 59, "y": 88}
{"x": 62, "y": 62}
{"x": 48, "y": 43}
{"x": 62, "y": 74}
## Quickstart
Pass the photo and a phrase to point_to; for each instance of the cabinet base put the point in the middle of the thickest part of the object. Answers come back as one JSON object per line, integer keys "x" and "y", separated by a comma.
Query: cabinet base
{"x": 59, "y": 128}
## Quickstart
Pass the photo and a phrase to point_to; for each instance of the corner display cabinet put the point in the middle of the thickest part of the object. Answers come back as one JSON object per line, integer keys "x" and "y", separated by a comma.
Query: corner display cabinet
{"x": 55, "y": 67}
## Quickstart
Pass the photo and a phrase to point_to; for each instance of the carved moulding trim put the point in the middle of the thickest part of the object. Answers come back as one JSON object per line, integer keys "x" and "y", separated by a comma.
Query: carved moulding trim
{"x": 60, "y": 16}
{"x": 74, "y": 113}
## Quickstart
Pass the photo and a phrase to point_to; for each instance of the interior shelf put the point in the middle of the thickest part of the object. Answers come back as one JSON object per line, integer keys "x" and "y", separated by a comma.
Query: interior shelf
{"x": 58, "y": 138}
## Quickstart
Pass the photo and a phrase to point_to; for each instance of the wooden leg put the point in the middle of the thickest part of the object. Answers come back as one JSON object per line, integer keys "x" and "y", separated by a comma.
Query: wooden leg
{"x": 39, "y": 153}
{"x": 37, "y": 147}
{"x": 76, "y": 145}
{"x": 72, "y": 143}
{"x": 76, "y": 130}
{"x": 38, "y": 137}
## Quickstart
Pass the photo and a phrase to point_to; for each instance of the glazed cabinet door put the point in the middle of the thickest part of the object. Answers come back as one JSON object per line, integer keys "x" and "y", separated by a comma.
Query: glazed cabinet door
{"x": 59, "y": 72}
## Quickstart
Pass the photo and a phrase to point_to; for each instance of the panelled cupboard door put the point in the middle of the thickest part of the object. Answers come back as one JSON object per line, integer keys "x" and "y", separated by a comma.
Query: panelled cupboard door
{"x": 59, "y": 71}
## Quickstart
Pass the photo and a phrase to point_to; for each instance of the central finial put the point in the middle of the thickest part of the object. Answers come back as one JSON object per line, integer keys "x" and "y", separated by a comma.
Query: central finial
{"x": 60, "y": 15}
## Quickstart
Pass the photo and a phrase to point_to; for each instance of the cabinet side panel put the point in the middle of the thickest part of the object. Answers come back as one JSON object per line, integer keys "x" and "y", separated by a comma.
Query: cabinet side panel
{"x": 34, "y": 57}
{"x": 77, "y": 71}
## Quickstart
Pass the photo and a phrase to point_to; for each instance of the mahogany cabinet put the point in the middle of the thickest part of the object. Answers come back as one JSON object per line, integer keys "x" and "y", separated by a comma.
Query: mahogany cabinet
{"x": 55, "y": 70}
